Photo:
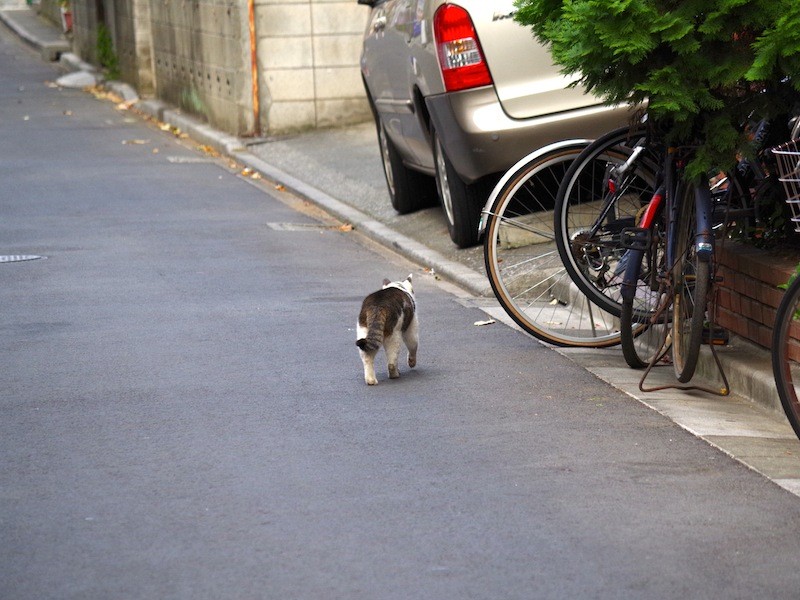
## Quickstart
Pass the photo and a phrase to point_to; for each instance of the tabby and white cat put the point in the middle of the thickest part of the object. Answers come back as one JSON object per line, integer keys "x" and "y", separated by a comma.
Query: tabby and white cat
{"x": 388, "y": 317}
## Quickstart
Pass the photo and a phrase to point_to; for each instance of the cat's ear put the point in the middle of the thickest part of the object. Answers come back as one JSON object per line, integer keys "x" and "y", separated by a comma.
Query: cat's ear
{"x": 386, "y": 282}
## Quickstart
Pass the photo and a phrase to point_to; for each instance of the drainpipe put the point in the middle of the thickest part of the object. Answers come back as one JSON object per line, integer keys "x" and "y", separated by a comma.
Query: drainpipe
{"x": 251, "y": 5}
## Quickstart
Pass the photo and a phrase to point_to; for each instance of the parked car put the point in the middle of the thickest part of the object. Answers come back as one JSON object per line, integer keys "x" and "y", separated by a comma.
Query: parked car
{"x": 460, "y": 92}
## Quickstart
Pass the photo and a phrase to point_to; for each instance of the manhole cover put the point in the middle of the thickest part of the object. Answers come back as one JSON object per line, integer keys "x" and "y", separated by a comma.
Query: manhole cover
{"x": 18, "y": 257}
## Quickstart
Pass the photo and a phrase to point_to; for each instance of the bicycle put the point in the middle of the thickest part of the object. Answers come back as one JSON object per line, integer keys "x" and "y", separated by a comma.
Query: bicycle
{"x": 786, "y": 330}
{"x": 670, "y": 255}
{"x": 651, "y": 262}
{"x": 522, "y": 261}
{"x": 599, "y": 243}
{"x": 633, "y": 271}
{"x": 601, "y": 195}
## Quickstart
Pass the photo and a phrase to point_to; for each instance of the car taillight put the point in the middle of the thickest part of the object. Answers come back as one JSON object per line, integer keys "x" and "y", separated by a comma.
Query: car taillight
{"x": 460, "y": 55}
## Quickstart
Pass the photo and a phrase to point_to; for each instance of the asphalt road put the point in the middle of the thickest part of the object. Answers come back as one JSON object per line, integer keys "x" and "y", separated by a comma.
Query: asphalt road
{"x": 184, "y": 415}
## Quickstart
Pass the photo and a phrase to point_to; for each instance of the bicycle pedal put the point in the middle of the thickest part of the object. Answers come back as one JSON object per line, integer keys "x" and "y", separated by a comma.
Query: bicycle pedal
{"x": 720, "y": 337}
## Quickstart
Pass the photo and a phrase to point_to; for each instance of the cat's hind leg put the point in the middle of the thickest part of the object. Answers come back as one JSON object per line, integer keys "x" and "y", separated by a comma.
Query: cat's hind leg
{"x": 368, "y": 358}
{"x": 411, "y": 339}
{"x": 392, "y": 345}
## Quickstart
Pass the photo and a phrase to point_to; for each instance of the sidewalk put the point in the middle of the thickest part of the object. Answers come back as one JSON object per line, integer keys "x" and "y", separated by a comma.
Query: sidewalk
{"x": 36, "y": 31}
{"x": 340, "y": 171}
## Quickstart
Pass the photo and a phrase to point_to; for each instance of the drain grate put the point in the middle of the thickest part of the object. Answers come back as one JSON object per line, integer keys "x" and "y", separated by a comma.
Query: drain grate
{"x": 8, "y": 258}
{"x": 189, "y": 160}
{"x": 298, "y": 226}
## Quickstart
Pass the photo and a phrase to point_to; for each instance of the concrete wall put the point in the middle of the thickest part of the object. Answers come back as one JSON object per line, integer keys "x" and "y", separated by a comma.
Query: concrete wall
{"x": 134, "y": 44}
{"x": 201, "y": 59}
{"x": 51, "y": 9}
{"x": 308, "y": 56}
{"x": 196, "y": 54}
{"x": 84, "y": 30}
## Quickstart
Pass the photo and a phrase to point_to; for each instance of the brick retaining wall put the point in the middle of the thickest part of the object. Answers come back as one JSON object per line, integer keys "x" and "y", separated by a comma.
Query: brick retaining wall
{"x": 748, "y": 293}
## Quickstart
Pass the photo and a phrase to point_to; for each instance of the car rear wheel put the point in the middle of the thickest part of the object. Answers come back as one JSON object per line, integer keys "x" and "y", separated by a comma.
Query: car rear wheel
{"x": 462, "y": 203}
{"x": 409, "y": 190}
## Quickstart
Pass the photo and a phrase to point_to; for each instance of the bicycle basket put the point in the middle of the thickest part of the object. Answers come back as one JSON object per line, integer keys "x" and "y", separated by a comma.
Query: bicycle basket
{"x": 788, "y": 157}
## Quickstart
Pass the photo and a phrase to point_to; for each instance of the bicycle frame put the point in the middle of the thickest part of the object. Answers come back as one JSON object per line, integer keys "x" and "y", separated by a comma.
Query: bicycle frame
{"x": 633, "y": 238}
{"x": 668, "y": 200}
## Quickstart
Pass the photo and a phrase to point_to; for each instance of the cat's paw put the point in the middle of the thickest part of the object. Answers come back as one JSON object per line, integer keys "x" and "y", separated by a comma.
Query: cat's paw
{"x": 394, "y": 372}
{"x": 412, "y": 361}
{"x": 371, "y": 380}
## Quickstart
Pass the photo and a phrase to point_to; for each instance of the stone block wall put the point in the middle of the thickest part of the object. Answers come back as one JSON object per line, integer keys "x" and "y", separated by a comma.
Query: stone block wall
{"x": 134, "y": 45}
{"x": 84, "y": 41}
{"x": 197, "y": 55}
{"x": 308, "y": 59}
{"x": 201, "y": 60}
{"x": 51, "y": 9}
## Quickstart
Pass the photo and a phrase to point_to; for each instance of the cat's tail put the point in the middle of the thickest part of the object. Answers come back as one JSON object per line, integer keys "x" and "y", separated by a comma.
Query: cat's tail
{"x": 374, "y": 336}
{"x": 368, "y": 344}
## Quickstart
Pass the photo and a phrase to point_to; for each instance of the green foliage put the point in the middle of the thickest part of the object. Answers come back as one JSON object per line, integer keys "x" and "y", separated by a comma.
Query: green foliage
{"x": 105, "y": 52}
{"x": 791, "y": 279}
{"x": 702, "y": 67}
{"x": 785, "y": 286}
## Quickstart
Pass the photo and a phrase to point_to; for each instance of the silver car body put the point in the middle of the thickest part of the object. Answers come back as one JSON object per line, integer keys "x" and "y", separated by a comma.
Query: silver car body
{"x": 434, "y": 118}
{"x": 483, "y": 130}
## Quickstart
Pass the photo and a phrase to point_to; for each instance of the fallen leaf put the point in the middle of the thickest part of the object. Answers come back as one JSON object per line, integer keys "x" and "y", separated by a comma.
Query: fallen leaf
{"x": 136, "y": 142}
{"x": 102, "y": 94}
{"x": 346, "y": 227}
{"x": 280, "y": 188}
{"x": 208, "y": 150}
{"x": 126, "y": 105}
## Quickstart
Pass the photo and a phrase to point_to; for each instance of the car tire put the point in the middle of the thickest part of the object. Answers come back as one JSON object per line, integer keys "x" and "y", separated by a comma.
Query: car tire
{"x": 409, "y": 190}
{"x": 462, "y": 203}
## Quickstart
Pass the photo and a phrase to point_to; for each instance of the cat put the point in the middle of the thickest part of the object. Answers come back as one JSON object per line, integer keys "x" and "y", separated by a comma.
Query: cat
{"x": 387, "y": 317}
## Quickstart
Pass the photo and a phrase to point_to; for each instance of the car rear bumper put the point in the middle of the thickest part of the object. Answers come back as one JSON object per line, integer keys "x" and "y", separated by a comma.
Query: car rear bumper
{"x": 480, "y": 139}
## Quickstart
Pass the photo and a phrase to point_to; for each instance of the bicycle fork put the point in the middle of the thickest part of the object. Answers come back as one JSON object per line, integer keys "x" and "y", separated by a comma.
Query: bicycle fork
{"x": 704, "y": 236}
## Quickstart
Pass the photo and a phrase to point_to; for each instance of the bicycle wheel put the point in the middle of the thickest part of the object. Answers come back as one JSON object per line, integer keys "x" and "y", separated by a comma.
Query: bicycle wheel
{"x": 594, "y": 206}
{"x": 691, "y": 278}
{"x": 523, "y": 264}
{"x": 786, "y": 353}
{"x": 643, "y": 330}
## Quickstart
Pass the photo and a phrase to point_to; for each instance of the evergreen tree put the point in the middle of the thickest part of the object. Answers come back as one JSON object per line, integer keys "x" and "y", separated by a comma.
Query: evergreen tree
{"x": 702, "y": 67}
